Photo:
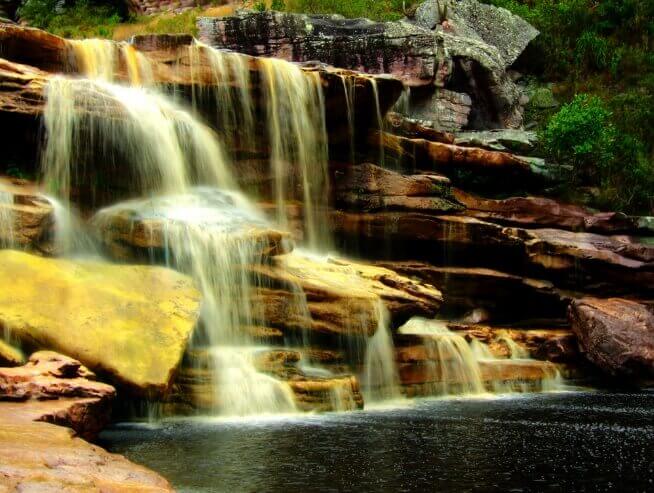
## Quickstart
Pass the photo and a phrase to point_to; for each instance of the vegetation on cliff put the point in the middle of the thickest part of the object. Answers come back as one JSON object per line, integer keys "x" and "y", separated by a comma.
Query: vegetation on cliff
{"x": 600, "y": 55}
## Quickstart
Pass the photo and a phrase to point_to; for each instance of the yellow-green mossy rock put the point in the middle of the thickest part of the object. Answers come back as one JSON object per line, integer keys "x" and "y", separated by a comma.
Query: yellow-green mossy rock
{"x": 129, "y": 322}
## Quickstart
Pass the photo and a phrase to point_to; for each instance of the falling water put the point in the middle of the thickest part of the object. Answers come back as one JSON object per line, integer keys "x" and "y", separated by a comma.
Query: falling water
{"x": 163, "y": 143}
{"x": 6, "y": 219}
{"x": 230, "y": 85}
{"x": 100, "y": 59}
{"x": 295, "y": 114}
{"x": 380, "y": 121}
{"x": 380, "y": 378}
{"x": 454, "y": 368}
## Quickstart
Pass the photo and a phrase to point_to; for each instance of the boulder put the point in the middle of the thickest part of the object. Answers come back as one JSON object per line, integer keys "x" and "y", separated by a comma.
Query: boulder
{"x": 497, "y": 27}
{"x": 367, "y": 187}
{"x": 59, "y": 390}
{"x": 45, "y": 457}
{"x": 144, "y": 228}
{"x": 616, "y": 335}
{"x": 131, "y": 323}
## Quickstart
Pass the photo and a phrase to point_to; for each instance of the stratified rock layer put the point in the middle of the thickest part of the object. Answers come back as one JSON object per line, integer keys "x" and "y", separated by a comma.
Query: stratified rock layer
{"x": 130, "y": 322}
{"x": 59, "y": 390}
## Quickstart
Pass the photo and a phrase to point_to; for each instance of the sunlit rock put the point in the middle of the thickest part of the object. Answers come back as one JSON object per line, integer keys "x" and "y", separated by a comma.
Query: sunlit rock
{"x": 131, "y": 323}
{"x": 58, "y": 389}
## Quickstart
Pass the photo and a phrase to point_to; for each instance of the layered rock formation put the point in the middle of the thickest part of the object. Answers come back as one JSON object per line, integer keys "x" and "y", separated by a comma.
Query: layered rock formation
{"x": 59, "y": 390}
{"x": 464, "y": 55}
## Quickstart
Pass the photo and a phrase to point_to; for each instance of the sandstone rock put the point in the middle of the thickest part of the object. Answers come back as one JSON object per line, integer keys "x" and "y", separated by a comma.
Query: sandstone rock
{"x": 45, "y": 457}
{"x": 30, "y": 46}
{"x": 445, "y": 110}
{"x": 616, "y": 335}
{"x": 343, "y": 297}
{"x": 420, "y": 57}
{"x": 129, "y": 322}
{"x": 71, "y": 396}
{"x": 540, "y": 212}
{"x": 597, "y": 263}
{"x": 408, "y": 127}
{"x": 368, "y": 187}
{"x": 450, "y": 159}
{"x": 358, "y": 44}
{"x": 26, "y": 217}
{"x": 506, "y": 297}
{"x": 505, "y": 140}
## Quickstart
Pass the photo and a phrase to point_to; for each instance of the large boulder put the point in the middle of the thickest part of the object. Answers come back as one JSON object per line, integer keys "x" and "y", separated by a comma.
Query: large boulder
{"x": 59, "y": 390}
{"x": 495, "y": 26}
{"x": 616, "y": 335}
{"x": 131, "y": 323}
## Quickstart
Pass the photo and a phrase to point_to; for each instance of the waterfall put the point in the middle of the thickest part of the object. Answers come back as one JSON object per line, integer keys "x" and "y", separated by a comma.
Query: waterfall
{"x": 297, "y": 133}
{"x": 163, "y": 152}
{"x": 100, "y": 59}
{"x": 454, "y": 367}
{"x": 380, "y": 377}
{"x": 6, "y": 219}
{"x": 380, "y": 121}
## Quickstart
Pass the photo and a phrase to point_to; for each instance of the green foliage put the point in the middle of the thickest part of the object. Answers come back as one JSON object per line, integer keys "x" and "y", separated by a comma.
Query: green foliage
{"x": 82, "y": 18}
{"x": 581, "y": 135}
{"x": 382, "y": 10}
{"x": 259, "y": 6}
{"x": 278, "y": 5}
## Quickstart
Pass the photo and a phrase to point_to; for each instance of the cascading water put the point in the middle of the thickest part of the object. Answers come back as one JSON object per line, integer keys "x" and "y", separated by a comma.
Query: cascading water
{"x": 163, "y": 151}
{"x": 380, "y": 377}
{"x": 6, "y": 219}
{"x": 453, "y": 366}
{"x": 297, "y": 133}
{"x": 100, "y": 59}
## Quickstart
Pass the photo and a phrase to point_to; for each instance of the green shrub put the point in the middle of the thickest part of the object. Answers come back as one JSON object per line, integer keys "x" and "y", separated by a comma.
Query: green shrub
{"x": 82, "y": 18}
{"x": 581, "y": 135}
{"x": 383, "y": 10}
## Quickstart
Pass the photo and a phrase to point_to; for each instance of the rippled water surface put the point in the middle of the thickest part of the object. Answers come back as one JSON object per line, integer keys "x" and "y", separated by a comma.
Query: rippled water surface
{"x": 558, "y": 442}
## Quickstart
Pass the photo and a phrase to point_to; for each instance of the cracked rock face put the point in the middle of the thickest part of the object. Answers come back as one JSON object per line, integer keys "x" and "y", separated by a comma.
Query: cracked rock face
{"x": 467, "y": 55}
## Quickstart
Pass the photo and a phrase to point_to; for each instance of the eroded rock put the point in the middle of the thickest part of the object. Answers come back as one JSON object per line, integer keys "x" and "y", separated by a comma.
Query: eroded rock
{"x": 616, "y": 335}
{"x": 59, "y": 390}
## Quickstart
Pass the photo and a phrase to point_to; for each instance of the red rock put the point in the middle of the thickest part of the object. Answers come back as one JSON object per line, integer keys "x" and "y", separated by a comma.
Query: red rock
{"x": 616, "y": 335}
{"x": 58, "y": 389}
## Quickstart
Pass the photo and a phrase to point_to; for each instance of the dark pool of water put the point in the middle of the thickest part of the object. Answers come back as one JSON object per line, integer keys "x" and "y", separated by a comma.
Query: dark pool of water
{"x": 549, "y": 442}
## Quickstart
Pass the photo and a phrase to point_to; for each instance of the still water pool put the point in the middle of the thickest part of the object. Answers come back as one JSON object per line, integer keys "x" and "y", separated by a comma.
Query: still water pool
{"x": 572, "y": 441}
